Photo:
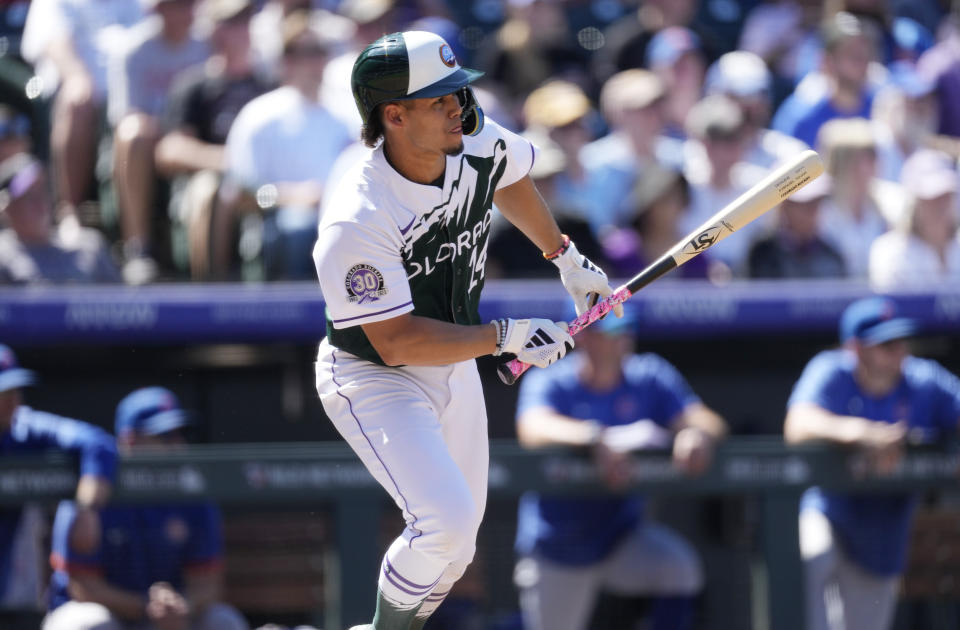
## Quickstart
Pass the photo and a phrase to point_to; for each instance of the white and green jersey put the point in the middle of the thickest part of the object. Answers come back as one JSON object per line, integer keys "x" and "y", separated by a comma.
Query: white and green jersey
{"x": 388, "y": 246}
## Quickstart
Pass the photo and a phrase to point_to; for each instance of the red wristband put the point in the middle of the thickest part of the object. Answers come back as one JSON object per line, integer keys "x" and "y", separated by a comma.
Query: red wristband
{"x": 560, "y": 250}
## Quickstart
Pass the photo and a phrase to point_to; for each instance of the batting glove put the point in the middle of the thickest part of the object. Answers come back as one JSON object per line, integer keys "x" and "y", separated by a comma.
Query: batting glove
{"x": 584, "y": 281}
{"x": 538, "y": 342}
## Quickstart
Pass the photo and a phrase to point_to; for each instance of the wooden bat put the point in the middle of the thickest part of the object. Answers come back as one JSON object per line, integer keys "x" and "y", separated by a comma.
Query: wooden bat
{"x": 764, "y": 195}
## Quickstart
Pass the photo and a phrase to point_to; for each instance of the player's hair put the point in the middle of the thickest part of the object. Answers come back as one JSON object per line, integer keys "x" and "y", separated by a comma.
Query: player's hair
{"x": 372, "y": 132}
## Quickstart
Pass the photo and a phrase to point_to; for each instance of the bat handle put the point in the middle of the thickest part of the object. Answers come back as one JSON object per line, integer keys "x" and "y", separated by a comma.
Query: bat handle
{"x": 511, "y": 370}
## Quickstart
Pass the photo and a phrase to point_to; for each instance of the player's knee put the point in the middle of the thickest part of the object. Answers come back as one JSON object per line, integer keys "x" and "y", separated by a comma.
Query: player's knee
{"x": 457, "y": 530}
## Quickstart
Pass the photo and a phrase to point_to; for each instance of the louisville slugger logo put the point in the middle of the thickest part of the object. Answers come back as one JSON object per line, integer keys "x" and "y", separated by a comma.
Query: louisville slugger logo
{"x": 702, "y": 241}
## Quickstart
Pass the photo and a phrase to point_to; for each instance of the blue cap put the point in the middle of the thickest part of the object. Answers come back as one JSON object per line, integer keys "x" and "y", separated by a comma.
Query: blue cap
{"x": 669, "y": 44}
{"x": 150, "y": 411}
{"x": 874, "y": 320}
{"x": 12, "y": 376}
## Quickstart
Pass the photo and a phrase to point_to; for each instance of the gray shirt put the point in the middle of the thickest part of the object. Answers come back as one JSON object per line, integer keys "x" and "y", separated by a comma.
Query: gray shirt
{"x": 140, "y": 77}
{"x": 88, "y": 261}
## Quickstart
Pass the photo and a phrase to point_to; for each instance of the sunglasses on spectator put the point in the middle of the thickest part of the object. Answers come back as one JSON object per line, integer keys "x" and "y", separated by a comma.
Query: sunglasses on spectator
{"x": 306, "y": 51}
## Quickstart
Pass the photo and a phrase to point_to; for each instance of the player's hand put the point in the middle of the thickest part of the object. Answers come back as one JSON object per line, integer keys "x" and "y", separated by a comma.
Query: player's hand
{"x": 885, "y": 444}
{"x": 584, "y": 281}
{"x": 538, "y": 342}
{"x": 614, "y": 466}
{"x": 166, "y": 608}
{"x": 692, "y": 450}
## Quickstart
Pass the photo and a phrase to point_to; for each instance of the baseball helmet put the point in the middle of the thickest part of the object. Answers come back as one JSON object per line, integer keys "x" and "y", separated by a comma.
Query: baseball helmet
{"x": 413, "y": 64}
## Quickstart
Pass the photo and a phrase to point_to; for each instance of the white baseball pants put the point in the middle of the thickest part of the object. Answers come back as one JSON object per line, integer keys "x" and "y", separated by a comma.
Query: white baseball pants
{"x": 422, "y": 433}
{"x": 840, "y": 595}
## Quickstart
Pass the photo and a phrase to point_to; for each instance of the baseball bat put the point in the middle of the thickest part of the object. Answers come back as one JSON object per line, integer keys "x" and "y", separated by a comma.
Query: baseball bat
{"x": 764, "y": 195}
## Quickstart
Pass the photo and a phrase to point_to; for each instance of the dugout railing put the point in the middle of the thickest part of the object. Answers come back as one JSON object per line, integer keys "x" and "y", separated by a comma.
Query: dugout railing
{"x": 311, "y": 474}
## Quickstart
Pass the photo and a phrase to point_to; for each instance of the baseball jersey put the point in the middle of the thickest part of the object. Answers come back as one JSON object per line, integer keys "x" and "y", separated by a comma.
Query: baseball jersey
{"x": 140, "y": 545}
{"x": 34, "y": 432}
{"x": 874, "y": 530}
{"x": 580, "y": 531}
{"x": 388, "y": 246}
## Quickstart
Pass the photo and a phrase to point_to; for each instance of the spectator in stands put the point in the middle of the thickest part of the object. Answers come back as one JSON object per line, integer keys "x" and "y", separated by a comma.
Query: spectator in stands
{"x": 925, "y": 248}
{"x": 794, "y": 248}
{"x": 626, "y": 40}
{"x": 904, "y": 117}
{"x": 27, "y": 431}
{"x": 743, "y": 77}
{"x": 871, "y": 395}
{"x": 610, "y": 401}
{"x": 941, "y": 65}
{"x": 203, "y": 104}
{"x": 632, "y": 104}
{"x": 718, "y": 128}
{"x": 849, "y": 47}
{"x": 559, "y": 112}
{"x": 784, "y": 34}
{"x": 859, "y": 205}
{"x": 14, "y": 133}
{"x": 138, "y": 85}
{"x": 674, "y": 54}
{"x": 31, "y": 250}
{"x": 658, "y": 201}
{"x": 279, "y": 153}
{"x": 155, "y": 567}
{"x": 533, "y": 45}
{"x": 69, "y": 42}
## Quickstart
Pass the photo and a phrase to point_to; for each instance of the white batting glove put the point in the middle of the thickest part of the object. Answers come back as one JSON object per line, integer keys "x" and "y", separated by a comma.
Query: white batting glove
{"x": 538, "y": 342}
{"x": 584, "y": 281}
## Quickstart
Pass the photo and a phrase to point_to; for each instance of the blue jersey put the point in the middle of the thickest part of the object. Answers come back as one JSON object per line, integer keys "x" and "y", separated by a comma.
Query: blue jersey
{"x": 140, "y": 545}
{"x": 802, "y": 118}
{"x": 874, "y": 530}
{"x": 584, "y": 530}
{"x": 35, "y": 432}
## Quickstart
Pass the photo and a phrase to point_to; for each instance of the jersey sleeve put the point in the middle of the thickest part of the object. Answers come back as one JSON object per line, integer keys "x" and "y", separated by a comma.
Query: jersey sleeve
{"x": 670, "y": 390}
{"x": 818, "y": 383}
{"x": 361, "y": 274}
{"x": 96, "y": 448}
{"x": 520, "y": 156}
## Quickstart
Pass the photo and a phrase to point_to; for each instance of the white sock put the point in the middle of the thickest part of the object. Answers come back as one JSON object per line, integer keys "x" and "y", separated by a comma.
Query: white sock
{"x": 407, "y": 576}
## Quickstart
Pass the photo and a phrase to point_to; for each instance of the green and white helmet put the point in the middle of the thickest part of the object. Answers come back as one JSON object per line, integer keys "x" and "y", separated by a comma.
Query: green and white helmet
{"x": 413, "y": 64}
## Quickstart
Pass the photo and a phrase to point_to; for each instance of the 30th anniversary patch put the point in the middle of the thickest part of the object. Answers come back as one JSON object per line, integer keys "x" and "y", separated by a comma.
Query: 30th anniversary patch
{"x": 364, "y": 283}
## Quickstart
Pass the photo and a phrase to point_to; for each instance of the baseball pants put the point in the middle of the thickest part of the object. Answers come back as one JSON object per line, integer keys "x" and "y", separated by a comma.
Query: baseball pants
{"x": 840, "y": 595}
{"x": 653, "y": 561}
{"x": 421, "y": 431}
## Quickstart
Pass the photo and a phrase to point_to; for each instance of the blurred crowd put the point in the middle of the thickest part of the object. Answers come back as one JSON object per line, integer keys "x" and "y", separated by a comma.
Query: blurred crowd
{"x": 158, "y": 140}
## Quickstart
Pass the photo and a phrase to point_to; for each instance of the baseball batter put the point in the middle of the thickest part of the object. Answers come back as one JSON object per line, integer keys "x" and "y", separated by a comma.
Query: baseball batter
{"x": 400, "y": 257}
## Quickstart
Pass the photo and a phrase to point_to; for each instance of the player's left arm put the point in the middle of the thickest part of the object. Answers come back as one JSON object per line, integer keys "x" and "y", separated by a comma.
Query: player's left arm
{"x": 697, "y": 429}
{"x": 523, "y": 206}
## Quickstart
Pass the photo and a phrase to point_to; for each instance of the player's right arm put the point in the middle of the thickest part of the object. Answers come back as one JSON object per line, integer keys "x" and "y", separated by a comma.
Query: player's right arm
{"x": 127, "y": 605}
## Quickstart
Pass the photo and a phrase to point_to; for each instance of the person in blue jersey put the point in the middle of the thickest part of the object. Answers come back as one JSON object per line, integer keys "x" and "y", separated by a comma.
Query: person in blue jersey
{"x": 156, "y": 566}
{"x": 872, "y": 394}
{"x": 27, "y": 431}
{"x": 612, "y": 401}
{"x": 841, "y": 89}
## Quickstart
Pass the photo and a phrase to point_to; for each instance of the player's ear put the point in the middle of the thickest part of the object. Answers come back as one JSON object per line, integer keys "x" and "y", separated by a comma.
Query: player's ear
{"x": 394, "y": 115}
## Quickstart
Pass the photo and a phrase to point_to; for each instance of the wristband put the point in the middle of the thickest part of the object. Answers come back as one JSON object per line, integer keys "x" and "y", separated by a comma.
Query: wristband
{"x": 560, "y": 250}
{"x": 501, "y": 326}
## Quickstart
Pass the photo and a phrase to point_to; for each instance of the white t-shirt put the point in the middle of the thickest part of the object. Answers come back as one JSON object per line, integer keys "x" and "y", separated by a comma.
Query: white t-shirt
{"x": 899, "y": 259}
{"x": 281, "y": 136}
{"x": 95, "y": 27}
{"x": 388, "y": 246}
{"x": 850, "y": 236}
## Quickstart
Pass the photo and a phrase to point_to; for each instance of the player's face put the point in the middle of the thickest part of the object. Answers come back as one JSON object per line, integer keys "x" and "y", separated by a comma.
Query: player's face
{"x": 9, "y": 401}
{"x": 434, "y": 124}
{"x": 884, "y": 360}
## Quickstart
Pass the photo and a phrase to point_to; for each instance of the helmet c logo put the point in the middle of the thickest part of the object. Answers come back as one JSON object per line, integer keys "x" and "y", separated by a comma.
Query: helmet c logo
{"x": 447, "y": 56}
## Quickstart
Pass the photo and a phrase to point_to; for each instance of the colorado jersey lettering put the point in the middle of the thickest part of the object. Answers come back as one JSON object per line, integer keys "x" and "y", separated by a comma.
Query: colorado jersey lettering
{"x": 388, "y": 246}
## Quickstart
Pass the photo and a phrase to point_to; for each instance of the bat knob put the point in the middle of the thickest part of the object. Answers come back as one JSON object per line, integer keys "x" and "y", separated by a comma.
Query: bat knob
{"x": 506, "y": 374}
